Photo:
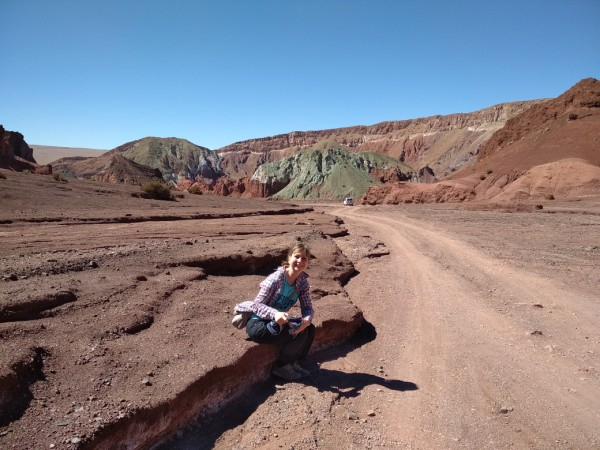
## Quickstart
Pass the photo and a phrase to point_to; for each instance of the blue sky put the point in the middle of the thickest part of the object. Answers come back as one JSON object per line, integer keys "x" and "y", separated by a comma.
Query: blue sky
{"x": 99, "y": 73}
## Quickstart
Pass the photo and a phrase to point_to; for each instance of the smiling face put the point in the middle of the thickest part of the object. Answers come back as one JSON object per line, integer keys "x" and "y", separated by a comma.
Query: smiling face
{"x": 298, "y": 261}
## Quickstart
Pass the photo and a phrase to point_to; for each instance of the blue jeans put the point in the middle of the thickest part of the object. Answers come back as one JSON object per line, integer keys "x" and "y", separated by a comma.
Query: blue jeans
{"x": 293, "y": 347}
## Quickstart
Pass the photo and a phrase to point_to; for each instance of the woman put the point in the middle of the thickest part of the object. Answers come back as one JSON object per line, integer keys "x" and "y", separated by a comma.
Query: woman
{"x": 270, "y": 321}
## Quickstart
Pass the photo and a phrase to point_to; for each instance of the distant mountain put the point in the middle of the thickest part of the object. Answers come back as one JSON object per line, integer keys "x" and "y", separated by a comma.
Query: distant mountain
{"x": 326, "y": 171}
{"x": 565, "y": 127}
{"x": 144, "y": 159}
{"x": 175, "y": 158}
{"x": 443, "y": 143}
{"x": 549, "y": 150}
{"x": 475, "y": 155}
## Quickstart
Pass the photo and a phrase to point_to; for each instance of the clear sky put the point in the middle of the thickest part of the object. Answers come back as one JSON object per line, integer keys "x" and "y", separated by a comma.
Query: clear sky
{"x": 99, "y": 73}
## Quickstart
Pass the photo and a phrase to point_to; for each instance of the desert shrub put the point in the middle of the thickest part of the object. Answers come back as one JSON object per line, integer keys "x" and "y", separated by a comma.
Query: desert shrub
{"x": 2, "y": 176}
{"x": 549, "y": 197}
{"x": 489, "y": 171}
{"x": 572, "y": 116}
{"x": 59, "y": 177}
{"x": 157, "y": 190}
{"x": 482, "y": 177}
{"x": 195, "y": 189}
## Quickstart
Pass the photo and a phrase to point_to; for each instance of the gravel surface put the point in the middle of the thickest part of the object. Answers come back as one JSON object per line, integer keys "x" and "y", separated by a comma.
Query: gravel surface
{"x": 481, "y": 332}
{"x": 478, "y": 326}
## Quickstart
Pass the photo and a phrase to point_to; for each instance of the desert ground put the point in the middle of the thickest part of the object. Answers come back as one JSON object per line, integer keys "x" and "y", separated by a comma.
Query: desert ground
{"x": 438, "y": 326}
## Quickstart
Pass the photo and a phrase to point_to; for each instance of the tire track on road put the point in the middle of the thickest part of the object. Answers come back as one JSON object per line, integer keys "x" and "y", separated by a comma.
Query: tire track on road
{"x": 484, "y": 380}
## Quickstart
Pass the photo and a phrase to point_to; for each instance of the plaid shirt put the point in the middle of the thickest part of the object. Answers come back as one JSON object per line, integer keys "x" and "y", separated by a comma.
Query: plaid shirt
{"x": 269, "y": 291}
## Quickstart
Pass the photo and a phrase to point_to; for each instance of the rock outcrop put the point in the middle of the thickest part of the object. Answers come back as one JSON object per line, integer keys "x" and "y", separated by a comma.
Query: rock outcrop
{"x": 325, "y": 172}
{"x": 15, "y": 154}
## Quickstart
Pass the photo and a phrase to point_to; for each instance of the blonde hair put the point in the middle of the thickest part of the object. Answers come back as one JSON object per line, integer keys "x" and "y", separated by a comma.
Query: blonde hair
{"x": 298, "y": 247}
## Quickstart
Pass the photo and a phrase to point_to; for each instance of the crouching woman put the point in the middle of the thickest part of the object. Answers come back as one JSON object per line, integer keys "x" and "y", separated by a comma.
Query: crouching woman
{"x": 270, "y": 322}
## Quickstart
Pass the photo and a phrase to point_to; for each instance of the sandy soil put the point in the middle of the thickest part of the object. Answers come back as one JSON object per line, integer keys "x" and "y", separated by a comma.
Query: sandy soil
{"x": 480, "y": 326}
{"x": 45, "y": 154}
{"x": 482, "y": 333}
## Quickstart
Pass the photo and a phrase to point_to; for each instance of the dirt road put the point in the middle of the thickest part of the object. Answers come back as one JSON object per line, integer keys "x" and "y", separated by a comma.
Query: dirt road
{"x": 501, "y": 356}
{"x": 483, "y": 336}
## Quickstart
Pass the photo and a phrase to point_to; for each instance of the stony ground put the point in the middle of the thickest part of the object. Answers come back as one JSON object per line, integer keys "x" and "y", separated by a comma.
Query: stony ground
{"x": 481, "y": 332}
{"x": 480, "y": 325}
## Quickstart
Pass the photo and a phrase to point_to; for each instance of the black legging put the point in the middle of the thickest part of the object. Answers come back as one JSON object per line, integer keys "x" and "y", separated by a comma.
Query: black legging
{"x": 294, "y": 347}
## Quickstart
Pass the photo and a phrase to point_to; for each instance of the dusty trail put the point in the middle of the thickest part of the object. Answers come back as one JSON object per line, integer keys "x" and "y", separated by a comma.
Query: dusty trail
{"x": 468, "y": 350}
{"x": 465, "y": 329}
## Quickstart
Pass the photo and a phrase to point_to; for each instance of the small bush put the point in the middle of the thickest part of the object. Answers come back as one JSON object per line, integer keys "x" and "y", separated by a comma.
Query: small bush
{"x": 59, "y": 177}
{"x": 549, "y": 197}
{"x": 157, "y": 190}
{"x": 195, "y": 189}
{"x": 482, "y": 177}
{"x": 489, "y": 171}
{"x": 2, "y": 176}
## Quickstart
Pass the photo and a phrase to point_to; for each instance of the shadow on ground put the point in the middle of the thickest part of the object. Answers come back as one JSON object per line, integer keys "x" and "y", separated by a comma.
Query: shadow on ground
{"x": 205, "y": 432}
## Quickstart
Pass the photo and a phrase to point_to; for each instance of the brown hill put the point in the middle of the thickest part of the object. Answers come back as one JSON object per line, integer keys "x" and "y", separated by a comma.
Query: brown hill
{"x": 550, "y": 150}
{"x": 110, "y": 167}
{"x": 444, "y": 143}
{"x": 148, "y": 158}
{"x": 566, "y": 127}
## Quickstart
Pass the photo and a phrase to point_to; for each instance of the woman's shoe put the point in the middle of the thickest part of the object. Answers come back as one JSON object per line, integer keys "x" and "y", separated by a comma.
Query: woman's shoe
{"x": 302, "y": 371}
{"x": 286, "y": 372}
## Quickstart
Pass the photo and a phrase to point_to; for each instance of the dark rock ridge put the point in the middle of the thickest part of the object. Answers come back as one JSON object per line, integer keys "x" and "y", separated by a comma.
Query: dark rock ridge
{"x": 15, "y": 154}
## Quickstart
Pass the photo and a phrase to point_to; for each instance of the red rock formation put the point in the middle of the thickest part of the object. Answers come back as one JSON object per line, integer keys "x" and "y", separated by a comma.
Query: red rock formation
{"x": 458, "y": 135}
{"x": 122, "y": 170}
{"x": 530, "y": 155}
{"x": 565, "y": 127}
{"x": 15, "y": 154}
{"x": 242, "y": 187}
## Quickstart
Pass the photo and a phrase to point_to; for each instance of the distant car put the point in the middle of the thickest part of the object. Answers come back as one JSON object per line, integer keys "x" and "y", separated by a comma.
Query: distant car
{"x": 348, "y": 201}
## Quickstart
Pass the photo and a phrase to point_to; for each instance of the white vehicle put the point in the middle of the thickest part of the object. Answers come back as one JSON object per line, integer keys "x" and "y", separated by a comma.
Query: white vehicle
{"x": 348, "y": 201}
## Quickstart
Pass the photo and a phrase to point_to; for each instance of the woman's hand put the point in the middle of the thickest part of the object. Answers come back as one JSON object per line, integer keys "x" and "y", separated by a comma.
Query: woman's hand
{"x": 281, "y": 317}
{"x": 301, "y": 328}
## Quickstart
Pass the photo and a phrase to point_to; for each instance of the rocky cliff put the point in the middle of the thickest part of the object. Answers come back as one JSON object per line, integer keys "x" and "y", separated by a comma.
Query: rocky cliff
{"x": 443, "y": 143}
{"x": 15, "y": 154}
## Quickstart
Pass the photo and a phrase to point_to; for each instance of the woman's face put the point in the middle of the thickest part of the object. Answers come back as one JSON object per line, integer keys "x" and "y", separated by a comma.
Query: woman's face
{"x": 298, "y": 261}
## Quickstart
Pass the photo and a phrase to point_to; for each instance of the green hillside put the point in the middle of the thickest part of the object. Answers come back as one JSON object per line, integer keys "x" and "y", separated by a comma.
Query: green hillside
{"x": 326, "y": 171}
{"x": 176, "y": 158}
